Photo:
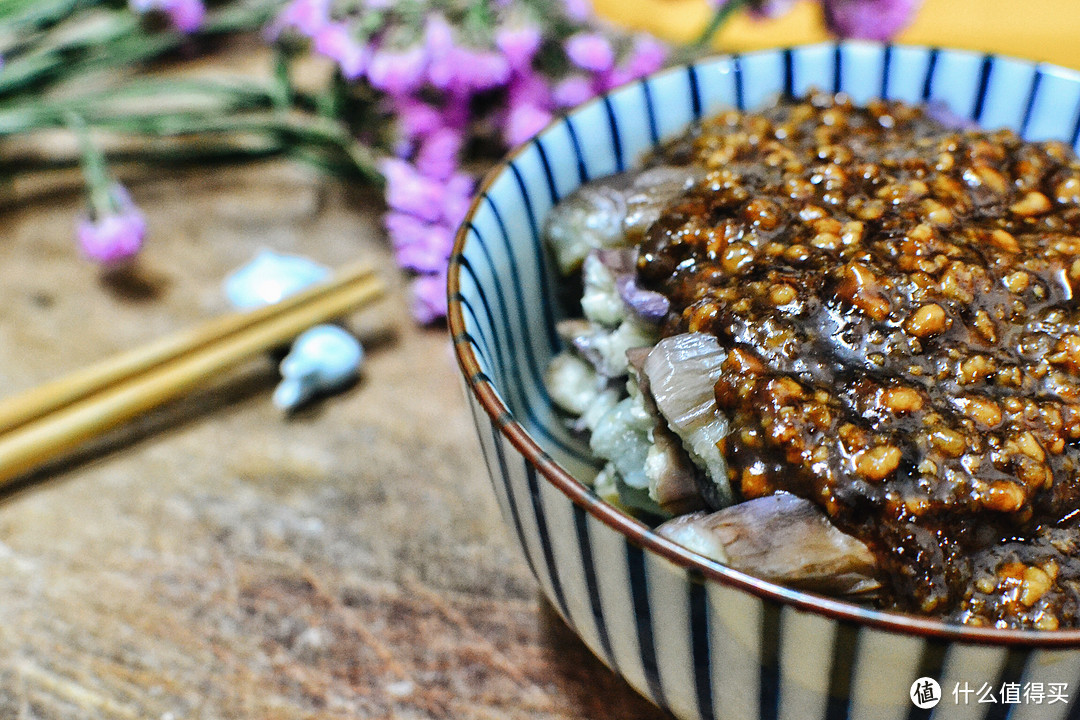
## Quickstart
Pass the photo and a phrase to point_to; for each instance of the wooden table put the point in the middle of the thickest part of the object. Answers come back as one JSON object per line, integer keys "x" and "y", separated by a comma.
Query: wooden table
{"x": 219, "y": 560}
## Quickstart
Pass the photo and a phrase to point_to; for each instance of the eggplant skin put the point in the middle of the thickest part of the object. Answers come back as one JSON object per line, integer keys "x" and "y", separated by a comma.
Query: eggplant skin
{"x": 784, "y": 539}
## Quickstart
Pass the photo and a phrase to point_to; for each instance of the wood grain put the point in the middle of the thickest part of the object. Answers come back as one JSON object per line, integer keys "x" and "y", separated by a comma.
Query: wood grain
{"x": 219, "y": 560}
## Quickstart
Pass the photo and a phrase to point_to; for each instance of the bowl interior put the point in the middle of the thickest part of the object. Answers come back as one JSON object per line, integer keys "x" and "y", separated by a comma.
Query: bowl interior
{"x": 505, "y": 299}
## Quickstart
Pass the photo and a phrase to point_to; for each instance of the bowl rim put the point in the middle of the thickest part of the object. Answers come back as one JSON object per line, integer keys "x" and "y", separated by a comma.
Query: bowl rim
{"x": 638, "y": 533}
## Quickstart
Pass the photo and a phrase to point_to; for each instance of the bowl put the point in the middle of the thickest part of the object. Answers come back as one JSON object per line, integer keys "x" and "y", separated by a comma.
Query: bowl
{"x": 699, "y": 639}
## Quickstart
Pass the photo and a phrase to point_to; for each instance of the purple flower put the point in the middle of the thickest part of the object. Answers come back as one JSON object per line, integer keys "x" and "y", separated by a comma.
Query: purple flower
{"x": 398, "y": 72}
{"x": 439, "y": 153}
{"x": 614, "y": 78}
{"x": 410, "y": 192}
{"x": 416, "y": 118}
{"x": 185, "y": 15}
{"x": 869, "y": 19}
{"x": 523, "y": 121}
{"x": 646, "y": 56}
{"x": 429, "y": 297}
{"x": 518, "y": 45}
{"x": 590, "y": 51}
{"x": 572, "y": 91}
{"x": 769, "y": 9}
{"x": 457, "y": 196}
{"x": 579, "y": 10}
{"x": 307, "y": 16}
{"x": 530, "y": 87}
{"x": 477, "y": 71}
{"x": 439, "y": 41}
{"x": 419, "y": 246}
{"x": 336, "y": 41}
{"x": 115, "y": 236}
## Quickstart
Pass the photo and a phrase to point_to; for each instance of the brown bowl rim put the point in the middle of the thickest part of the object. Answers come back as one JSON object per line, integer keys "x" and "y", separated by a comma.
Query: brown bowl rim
{"x": 636, "y": 531}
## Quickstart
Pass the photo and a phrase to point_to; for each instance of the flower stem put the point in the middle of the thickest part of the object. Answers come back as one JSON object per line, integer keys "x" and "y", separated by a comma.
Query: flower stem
{"x": 95, "y": 172}
{"x": 729, "y": 8}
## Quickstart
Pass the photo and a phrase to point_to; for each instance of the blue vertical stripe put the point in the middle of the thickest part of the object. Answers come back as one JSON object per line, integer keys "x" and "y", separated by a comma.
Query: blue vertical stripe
{"x": 842, "y": 671}
{"x": 1012, "y": 672}
{"x": 549, "y": 174}
{"x": 931, "y": 66}
{"x": 769, "y": 684}
{"x": 501, "y": 361}
{"x": 740, "y": 91}
{"x": 583, "y": 172}
{"x": 886, "y": 68}
{"x": 984, "y": 85}
{"x": 504, "y": 471}
{"x": 541, "y": 264}
{"x": 650, "y": 109}
{"x": 545, "y": 539}
{"x": 699, "y": 644}
{"x": 1033, "y": 93}
{"x": 931, "y": 665}
{"x": 838, "y": 70}
{"x": 789, "y": 73}
{"x": 639, "y": 588}
{"x": 588, "y": 563}
{"x": 518, "y": 387}
{"x": 616, "y": 138}
{"x": 695, "y": 91}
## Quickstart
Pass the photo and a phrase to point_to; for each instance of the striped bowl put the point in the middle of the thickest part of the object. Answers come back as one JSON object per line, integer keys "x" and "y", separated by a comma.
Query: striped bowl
{"x": 697, "y": 638}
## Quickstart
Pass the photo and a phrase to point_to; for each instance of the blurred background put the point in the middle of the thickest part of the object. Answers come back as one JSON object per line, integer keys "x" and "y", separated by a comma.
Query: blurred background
{"x": 1046, "y": 30}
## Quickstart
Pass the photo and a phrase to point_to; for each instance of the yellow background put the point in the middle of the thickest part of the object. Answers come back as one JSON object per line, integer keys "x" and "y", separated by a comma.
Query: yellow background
{"x": 1046, "y": 30}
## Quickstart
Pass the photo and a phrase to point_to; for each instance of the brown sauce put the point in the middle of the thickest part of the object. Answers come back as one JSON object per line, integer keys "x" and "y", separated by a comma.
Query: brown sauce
{"x": 896, "y": 297}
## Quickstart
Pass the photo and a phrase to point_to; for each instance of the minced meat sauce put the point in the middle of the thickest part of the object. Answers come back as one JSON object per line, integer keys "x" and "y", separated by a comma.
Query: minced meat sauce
{"x": 896, "y": 299}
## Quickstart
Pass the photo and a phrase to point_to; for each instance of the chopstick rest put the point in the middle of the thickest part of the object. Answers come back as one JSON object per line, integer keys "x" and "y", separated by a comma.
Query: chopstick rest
{"x": 39, "y": 424}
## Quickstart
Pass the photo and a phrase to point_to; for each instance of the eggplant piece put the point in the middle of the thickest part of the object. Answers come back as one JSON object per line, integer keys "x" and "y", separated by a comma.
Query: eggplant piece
{"x": 682, "y": 371}
{"x": 782, "y": 538}
{"x": 647, "y": 305}
{"x": 674, "y": 481}
{"x": 613, "y": 212}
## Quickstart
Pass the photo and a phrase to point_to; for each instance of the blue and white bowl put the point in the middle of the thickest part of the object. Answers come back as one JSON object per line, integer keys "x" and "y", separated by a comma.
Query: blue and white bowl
{"x": 697, "y": 638}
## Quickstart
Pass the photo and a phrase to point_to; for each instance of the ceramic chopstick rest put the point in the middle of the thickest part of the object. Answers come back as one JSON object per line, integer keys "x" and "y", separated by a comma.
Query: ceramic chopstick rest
{"x": 271, "y": 277}
{"x": 323, "y": 359}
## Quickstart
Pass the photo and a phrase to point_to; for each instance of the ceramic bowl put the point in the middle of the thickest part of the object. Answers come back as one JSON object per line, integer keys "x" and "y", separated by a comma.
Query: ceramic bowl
{"x": 699, "y": 639}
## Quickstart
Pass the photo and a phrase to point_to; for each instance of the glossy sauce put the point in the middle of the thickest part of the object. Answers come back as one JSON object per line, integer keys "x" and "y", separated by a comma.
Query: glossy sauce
{"x": 904, "y": 344}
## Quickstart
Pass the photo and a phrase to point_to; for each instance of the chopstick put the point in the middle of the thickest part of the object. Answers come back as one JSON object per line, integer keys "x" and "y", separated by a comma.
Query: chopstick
{"x": 39, "y": 424}
{"x": 43, "y": 399}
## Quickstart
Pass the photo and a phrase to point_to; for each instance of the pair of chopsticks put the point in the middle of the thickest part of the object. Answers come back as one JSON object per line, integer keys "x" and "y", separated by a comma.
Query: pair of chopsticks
{"x": 39, "y": 424}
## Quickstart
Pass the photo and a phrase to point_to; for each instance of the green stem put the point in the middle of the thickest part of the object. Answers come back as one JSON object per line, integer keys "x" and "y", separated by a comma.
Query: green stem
{"x": 720, "y": 17}
{"x": 94, "y": 169}
{"x": 130, "y": 44}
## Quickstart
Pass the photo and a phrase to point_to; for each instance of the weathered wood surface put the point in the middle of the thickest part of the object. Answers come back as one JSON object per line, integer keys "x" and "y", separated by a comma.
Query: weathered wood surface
{"x": 219, "y": 560}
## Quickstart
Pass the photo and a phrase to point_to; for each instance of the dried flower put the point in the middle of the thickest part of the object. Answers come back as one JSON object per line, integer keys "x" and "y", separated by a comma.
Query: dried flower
{"x": 591, "y": 51}
{"x": 429, "y": 296}
{"x": 336, "y": 41}
{"x": 452, "y": 77}
{"x": 572, "y": 91}
{"x": 409, "y": 191}
{"x": 519, "y": 45}
{"x": 185, "y": 15}
{"x": 524, "y": 121}
{"x": 115, "y": 235}
{"x": 398, "y": 72}
{"x": 869, "y": 19}
{"x": 440, "y": 153}
{"x": 305, "y": 16}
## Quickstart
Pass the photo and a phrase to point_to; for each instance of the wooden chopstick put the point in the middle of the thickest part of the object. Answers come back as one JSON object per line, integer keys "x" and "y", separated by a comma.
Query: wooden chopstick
{"x": 213, "y": 347}
{"x": 44, "y": 399}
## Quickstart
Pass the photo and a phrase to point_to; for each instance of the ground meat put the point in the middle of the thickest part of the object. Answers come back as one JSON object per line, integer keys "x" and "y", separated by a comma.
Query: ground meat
{"x": 896, "y": 297}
